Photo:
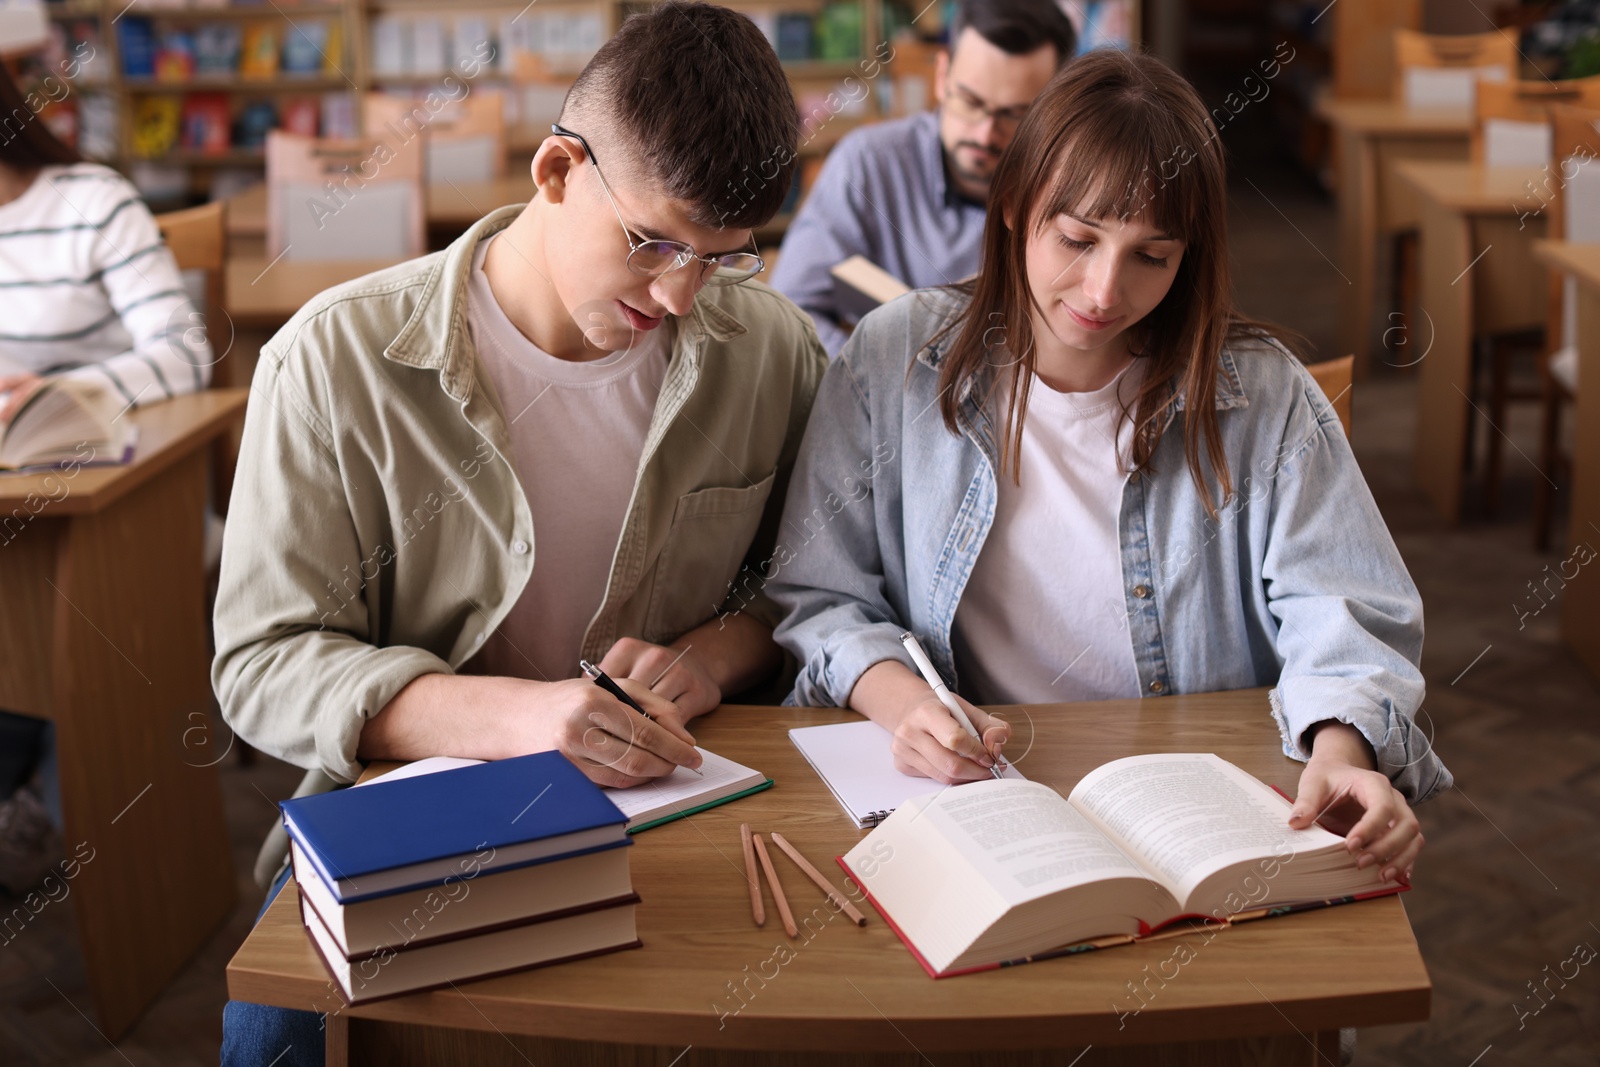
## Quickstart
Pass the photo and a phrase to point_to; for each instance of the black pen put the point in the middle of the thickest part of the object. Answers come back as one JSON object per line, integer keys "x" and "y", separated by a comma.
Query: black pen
{"x": 603, "y": 680}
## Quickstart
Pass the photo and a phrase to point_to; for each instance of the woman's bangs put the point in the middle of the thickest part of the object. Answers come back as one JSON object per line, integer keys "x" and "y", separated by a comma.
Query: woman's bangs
{"x": 1111, "y": 168}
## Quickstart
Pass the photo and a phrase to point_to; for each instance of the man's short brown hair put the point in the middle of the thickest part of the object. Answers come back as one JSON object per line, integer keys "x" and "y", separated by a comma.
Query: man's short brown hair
{"x": 696, "y": 96}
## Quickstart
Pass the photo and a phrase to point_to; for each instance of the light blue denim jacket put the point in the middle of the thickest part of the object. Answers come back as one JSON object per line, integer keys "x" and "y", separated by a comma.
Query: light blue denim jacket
{"x": 1297, "y": 584}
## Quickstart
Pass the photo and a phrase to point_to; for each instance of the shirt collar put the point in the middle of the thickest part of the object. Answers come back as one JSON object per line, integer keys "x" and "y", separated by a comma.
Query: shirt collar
{"x": 436, "y": 336}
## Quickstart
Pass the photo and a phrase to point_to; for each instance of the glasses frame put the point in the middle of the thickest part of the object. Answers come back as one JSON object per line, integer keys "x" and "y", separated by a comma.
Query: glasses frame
{"x": 686, "y": 252}
{"x": 999, "y": 116}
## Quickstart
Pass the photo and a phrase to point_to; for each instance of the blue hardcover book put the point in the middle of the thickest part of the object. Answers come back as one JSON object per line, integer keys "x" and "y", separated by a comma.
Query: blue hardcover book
{"x": 392, "y": 836}
{"x": 136, "y": 40}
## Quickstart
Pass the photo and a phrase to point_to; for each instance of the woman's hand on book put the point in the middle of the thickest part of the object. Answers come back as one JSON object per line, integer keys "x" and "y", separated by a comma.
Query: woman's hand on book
{"x": 15, "y": 389}
{"x": 1340, "y": 789}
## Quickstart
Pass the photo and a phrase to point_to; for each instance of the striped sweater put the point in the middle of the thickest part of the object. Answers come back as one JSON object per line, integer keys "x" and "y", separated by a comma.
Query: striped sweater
{"x": 88, "y": 288}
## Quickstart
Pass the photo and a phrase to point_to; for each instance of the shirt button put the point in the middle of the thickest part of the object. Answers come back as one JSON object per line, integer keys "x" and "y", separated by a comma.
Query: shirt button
{"x": 1158, "y": 687}
{"x": 1142, "y": 592}
{"x": 520, "y": 547}
{"x": 477, "y": 640}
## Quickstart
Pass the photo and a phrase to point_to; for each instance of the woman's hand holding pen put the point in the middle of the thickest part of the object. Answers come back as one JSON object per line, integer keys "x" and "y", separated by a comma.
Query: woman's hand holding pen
{"x": 928, "y": 742}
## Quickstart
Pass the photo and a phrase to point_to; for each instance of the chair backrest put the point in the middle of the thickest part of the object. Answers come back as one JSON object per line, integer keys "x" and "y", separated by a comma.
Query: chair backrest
{"x": 1572, "y": 207}
{"x": 196, "y": 235}
{"x": 1513, "y": 127}
{"x": 1363, "y": 45}
{"x": 463, "y": 141}
{"x": 1335, "y": 376}
{"x": 344, "y": 200}
{"x": 1442, "y": 70}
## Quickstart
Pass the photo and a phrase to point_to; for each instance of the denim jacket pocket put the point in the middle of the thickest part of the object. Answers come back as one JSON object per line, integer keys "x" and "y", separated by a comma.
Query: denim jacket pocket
{"x": 711, "y": 532}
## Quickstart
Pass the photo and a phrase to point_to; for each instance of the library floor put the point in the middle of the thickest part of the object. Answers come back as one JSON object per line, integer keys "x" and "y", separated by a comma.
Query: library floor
{"x": 1509, "y": 882}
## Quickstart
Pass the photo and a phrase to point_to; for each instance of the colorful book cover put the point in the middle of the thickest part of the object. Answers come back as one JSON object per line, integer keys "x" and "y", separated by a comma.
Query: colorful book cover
{"x": 259, "y": 54}
{"x": 136, "y": 43}
{"x": 205, "y": 123}
{"x": 255, "y": 121}
{"x": 303, "y": 43}
{"x": 794, "y": 36}
{"x": 175, "y": 61}
{"x": 839, "y": 32}
{"x": 156, "y": 123}
{"x": 216, "y": 48}
{"x": 300, "y": 115}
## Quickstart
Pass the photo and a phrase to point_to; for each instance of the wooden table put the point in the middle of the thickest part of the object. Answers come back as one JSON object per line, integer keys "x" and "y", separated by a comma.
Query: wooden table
{"x": 1580, "y": 621}
{"x": 1269, "y": 992}
{"x": 1478, "y": 276}
{"x": 1370, "y": 137}
{"x": 260, "y": 292}
{"x": 104, "y": 632}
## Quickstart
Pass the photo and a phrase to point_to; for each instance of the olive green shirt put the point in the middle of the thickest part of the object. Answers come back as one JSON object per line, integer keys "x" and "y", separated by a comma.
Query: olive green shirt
{"x": 377, "y": 530}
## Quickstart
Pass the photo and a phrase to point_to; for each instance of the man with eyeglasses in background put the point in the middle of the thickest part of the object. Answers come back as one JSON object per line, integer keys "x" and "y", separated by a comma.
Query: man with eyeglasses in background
{"x": 560, "y": 438}
{"x": 909, "y": 194}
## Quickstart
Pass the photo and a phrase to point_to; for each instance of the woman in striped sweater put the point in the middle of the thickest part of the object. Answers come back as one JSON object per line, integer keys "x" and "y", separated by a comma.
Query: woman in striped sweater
{"x": 87, "y": 289}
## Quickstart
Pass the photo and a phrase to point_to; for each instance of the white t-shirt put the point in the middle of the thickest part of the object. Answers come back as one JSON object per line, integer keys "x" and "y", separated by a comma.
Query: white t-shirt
{"x": 577, "y": 434}
{"x": 1042, "y": 618}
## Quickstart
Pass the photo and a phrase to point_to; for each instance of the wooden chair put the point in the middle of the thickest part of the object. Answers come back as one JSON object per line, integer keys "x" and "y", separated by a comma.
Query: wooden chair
{"x": 1576, "y": 144}
{"x": 1434, "y": 70}
{"x": 1513, "y": 123}
{"x": 464, "y": 142}
{"x": 1336, "y": 376}
{"x": 197, "y": 238}
{"x": 1363, "y": 45}
{"x": 344, "y": 200}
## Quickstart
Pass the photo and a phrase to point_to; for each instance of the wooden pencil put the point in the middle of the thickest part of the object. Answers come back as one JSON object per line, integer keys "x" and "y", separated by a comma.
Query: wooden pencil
{"x": 777, "y": 888}
{"x": 758, "y": 910}
{"x": 822, "y": 883}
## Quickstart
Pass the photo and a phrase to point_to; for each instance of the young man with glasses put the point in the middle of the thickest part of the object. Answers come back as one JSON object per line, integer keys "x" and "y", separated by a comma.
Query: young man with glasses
{"x": 561, "y": 438}
{"x": 909, "y": 194}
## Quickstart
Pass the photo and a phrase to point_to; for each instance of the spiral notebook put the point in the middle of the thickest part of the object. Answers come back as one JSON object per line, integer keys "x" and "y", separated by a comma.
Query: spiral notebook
{"x": 855, "y": 762}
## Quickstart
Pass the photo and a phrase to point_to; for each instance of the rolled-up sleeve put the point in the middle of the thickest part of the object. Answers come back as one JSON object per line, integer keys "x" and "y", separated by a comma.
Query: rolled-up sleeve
{"x": 1350, "y": 618}
{"x": 290, "y": 681}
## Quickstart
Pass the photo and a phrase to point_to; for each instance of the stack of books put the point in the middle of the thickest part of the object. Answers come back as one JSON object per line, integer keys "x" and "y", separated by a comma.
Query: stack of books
{"x": 462, "y": 874}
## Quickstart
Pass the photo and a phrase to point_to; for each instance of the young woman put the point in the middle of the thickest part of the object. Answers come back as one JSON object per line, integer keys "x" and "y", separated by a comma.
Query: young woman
{"x": 86, "y": 286}
{"x": 1082, "y": 476}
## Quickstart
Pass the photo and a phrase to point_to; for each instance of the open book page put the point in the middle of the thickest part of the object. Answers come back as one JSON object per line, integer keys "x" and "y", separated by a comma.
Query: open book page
{"x": 1025, "y": 840}
{"x": 1188, "y": 815}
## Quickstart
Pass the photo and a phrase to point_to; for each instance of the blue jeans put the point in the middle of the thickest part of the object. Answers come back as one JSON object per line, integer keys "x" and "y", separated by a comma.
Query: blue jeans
{"x": 255, "y": 1035}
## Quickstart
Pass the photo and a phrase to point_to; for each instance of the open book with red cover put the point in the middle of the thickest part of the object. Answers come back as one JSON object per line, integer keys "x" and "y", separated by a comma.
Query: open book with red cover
{"x": 999, "y": 872}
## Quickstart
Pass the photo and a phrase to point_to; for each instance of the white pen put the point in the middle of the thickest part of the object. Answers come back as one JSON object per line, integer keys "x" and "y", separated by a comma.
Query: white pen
{"x": 925, "y": 665}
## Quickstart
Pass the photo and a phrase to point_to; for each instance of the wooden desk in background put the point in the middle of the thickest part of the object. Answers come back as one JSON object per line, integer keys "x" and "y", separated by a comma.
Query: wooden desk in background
{"x": 258, "y": 292}
{"x": 1370, "y": 137}
{"x": 104, "y": 632}
{"x": 1267, "y": 992}
{"x": 1580, "y": 621}
{"x": 1478, "y": 276}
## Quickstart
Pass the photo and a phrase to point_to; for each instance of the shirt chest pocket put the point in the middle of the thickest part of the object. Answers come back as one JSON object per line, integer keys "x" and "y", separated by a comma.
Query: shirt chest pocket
{"x": 711, "y": 532}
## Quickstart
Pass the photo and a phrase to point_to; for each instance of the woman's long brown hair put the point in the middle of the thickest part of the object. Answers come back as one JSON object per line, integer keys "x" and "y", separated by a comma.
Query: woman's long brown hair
{"x": 1114, "y": 135}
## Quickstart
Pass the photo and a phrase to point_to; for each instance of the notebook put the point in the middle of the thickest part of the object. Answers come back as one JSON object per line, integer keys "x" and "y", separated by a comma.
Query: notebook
{"x": 679, "y": 794}
{"x": 854, "y": 761}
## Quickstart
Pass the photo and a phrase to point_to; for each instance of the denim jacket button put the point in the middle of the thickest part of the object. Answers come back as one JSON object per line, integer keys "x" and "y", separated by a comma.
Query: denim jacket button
{"x": 1142, "y": 592}
{"x": 520, "y": 547}
{"x": 1158, "y": 687}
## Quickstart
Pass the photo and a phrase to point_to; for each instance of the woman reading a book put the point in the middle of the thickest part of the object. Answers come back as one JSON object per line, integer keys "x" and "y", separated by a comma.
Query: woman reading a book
{"x": 1082, "y": 475}
{"x": 87, "y": 288}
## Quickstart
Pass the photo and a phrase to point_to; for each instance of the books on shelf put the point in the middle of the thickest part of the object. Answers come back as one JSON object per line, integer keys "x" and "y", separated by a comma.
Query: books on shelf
{"x": 258, "y": 57}
{"x": 1000, "y": 872}
{"x": 216, "y": 48}
{"x": 414, "y": 881}
{"x": 206, "y": 123}
{"x": 304, "y": 42}
{"x": 65, "y": 420}
{"x": 300, "y": 115}
{"x": 175, "y": 58}
{"x": 157, "y": 123}
{"x": 136, "y": 44}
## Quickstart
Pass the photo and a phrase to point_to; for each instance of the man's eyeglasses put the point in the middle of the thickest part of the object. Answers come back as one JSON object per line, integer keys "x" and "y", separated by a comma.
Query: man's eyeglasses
{"x": 655, "y": 257}
{"x": 969, "y": 109}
